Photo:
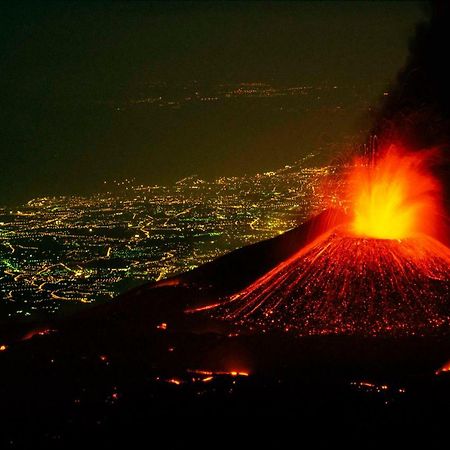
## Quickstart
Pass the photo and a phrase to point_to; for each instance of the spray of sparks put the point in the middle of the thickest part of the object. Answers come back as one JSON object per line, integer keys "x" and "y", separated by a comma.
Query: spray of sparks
{"x": 394, "y": 198}
{"x": 381, "y": 274}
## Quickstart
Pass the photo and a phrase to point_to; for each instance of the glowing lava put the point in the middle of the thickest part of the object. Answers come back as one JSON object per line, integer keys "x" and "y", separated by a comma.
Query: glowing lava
{"x": 396, "y": 197}
{"x": 382, "y": 274}
{"x": 343, "y": 284}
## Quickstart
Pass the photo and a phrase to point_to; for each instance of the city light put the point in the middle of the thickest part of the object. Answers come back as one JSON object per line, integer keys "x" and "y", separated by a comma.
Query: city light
{"x": 57, "y": 251}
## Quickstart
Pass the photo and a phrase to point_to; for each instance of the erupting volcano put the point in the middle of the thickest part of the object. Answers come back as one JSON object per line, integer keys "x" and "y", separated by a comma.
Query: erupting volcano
{"x": 384, "y": 272}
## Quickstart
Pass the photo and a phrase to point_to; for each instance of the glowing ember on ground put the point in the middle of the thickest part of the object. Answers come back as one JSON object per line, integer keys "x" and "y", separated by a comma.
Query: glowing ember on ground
{"x": 174, "y": 381}
{"x": 233, "y": 373}
{"x": 444, "y": 368}
{"x": 38, "y": 332}
{"x": 207, "y": 379}
{"x": 366, "y": 386}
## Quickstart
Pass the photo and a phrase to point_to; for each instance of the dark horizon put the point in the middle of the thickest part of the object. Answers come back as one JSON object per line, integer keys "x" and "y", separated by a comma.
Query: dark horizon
{"x": 74, "y": 73}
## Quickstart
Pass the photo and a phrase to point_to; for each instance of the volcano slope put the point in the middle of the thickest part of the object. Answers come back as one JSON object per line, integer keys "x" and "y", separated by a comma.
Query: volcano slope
{"x": 344, "y": 284}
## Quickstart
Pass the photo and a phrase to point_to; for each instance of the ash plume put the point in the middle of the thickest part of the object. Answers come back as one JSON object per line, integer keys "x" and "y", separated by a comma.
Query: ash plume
{"x": 417, "y": 109}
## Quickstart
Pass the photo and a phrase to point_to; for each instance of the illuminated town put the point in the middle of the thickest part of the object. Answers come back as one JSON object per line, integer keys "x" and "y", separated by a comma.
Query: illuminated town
{"x": 291, "y": 97}
{"x": 56, "y": 250}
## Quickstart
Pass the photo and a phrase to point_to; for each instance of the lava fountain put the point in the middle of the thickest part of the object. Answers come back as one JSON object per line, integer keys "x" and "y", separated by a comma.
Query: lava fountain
{"x": 383, "y": 273}
{"x": 395, "y": 198}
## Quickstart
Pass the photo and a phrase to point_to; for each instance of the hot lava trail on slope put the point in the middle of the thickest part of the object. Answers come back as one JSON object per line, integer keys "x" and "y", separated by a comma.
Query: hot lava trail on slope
{"x": 383, "y": 273}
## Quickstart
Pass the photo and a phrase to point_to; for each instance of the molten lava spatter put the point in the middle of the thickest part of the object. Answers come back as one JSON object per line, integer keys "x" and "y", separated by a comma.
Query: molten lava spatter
{"x": 344, "y": 284}
{"x": 394, "y": 198}
{"x": 381, "y": 274}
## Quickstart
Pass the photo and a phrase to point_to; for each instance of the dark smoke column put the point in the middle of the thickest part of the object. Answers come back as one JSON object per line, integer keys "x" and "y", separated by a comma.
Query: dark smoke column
{"x": 417, "y": 111}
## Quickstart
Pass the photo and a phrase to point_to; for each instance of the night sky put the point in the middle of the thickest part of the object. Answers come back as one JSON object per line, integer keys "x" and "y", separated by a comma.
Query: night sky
{"x": 69, "y": 71}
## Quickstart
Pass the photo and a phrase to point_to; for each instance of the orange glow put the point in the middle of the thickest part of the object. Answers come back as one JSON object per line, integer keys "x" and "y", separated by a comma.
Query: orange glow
{"x": 395, "y": 198}
{"x": 201, "y": 372}
{"x": 3, "y": 348}
{"x": 241, "y": 374}
{"x": 37, "y": 332}
{"x": 444, "y": 368}
{"x": 162, "y": 326}
{"x": 233, "y": 373}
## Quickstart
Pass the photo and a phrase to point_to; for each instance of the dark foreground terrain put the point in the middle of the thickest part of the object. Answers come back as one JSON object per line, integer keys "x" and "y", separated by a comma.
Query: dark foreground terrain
{"x": 141, "y": 367}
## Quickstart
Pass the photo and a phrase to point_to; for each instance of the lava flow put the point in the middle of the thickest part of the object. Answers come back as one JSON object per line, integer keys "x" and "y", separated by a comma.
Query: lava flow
{"x": 383, "y": 273}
